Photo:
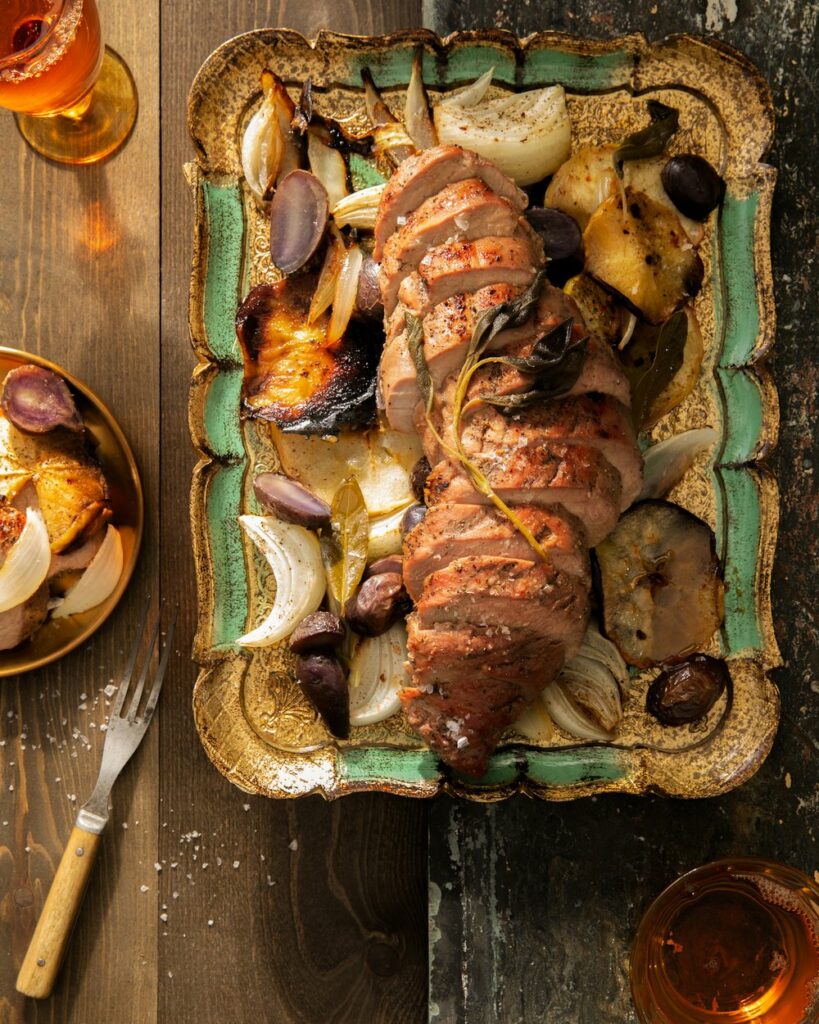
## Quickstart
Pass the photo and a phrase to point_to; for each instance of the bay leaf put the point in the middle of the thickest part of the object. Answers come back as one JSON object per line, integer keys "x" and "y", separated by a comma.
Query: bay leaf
{"x": 344, "y": 546}
{"x": 651, "y": 140}
{"x": 663, "y": 367}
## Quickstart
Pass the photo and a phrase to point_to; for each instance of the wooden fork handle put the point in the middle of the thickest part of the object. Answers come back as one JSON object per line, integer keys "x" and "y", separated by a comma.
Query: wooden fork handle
{"x": 50, "y": 939}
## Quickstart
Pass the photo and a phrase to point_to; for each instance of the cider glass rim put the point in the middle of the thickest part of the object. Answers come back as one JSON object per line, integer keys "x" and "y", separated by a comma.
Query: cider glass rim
{"x": 65, "y": 16}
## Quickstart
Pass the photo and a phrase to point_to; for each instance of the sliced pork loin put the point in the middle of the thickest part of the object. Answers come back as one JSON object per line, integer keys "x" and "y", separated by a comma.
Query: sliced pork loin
{"x": 449, "y": 532}
{"x": 488, "y": 634}
{"x": 424, "y": 175}
{"x": 478, "y": 683}
{"x": 593, "y": 420}
{"x": 457, "y": 267}
{"x": 464, "y": 210}
{"x": 576, "y": 476}
{"x": 398, "y": 392}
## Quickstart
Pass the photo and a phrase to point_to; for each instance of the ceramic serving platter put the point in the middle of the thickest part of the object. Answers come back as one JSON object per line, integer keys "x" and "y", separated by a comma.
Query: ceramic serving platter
{"x": 255, "y": 724}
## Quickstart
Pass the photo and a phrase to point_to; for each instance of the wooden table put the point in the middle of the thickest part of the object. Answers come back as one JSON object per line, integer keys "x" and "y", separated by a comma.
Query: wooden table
{"x": 210, "y": 906}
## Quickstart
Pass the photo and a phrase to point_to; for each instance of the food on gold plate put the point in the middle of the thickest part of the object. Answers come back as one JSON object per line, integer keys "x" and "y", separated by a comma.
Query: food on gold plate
{"x": 686, "y": 692}
{"x": 58, "y": 551}
{"x": 517, "y": 398}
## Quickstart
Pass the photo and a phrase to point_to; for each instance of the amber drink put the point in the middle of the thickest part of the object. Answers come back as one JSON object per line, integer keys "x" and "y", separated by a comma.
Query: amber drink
{"x": 732, "y": 942}
{"x": 74, "y": 99}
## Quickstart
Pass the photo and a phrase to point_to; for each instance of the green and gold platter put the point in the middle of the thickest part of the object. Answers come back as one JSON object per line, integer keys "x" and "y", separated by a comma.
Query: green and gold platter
{"x": 255, "y": 725}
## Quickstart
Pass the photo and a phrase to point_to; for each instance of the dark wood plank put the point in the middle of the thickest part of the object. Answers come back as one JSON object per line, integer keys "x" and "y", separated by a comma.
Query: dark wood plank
{"x": 538, "y": 904}
{"x": 334, "y": 929}
{"x": 79, "y": 252}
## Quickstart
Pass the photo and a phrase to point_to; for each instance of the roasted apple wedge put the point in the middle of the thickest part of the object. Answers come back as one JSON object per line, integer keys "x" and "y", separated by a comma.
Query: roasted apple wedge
{"x": 583, "y": 182}
{"x": 642, "y": 254}
{"x": 293, "y": 375}
{"x": 661, "y": 584}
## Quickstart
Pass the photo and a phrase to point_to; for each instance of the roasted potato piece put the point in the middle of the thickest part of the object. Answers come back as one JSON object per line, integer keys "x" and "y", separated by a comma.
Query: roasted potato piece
{"x": 583, "y": 182}
{"x": 661, "y": 584}
{"x": 293, "y": 376}
{"x": 638, "y": 355}
{"x": 643, "y": 255}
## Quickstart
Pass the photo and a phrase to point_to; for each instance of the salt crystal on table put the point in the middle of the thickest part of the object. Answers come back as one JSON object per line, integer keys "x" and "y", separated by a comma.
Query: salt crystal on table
{"x": 110, "y": 690}
{"x": 293, "y": 845}
{"x": 236, "y": 864}
{"x": 210, "y": 922}
{"x": 163, "y": 917}
{"x": 157, "y": 866}
{"x": 143, "y": 888}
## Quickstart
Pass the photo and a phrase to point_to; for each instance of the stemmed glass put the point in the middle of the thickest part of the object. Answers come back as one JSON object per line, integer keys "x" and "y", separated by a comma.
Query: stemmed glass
{"x": 75, "y": 100}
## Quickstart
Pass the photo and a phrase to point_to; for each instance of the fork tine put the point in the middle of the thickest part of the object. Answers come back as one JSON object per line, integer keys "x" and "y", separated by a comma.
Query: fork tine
{"x": 153, "y": 696}
{"x": 143, "y": 675}
{"x": 125, "y": 681}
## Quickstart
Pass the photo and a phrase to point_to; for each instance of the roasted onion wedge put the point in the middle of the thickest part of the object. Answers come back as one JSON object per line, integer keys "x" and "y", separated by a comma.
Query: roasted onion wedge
{"x": 643, "y": 255}
{"x": 293, "y": 376}
{"x": 661, "y": 584}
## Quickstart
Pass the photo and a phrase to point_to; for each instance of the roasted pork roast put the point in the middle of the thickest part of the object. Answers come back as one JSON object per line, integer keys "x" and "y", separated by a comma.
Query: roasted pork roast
{"x": 495, "y": 617}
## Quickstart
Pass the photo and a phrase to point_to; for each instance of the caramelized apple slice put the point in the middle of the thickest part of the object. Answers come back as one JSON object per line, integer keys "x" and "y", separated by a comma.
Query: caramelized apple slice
{"x": 661, "y": 584}
{"x": 583, "y": 182}
{"x": 643, "y": 255}
{"x": 294, "y": 377}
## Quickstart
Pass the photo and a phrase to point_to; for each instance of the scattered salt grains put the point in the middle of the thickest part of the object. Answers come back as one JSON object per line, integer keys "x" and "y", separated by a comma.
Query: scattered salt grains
{"x": 175, "y": 895}
{"x": 163, "y": 917}
{"x": 293, "y": 845}
{"x": 143, "y": 888}
{"x": 462, "y": 742}
{"x": 245, "y": 807}
{"x": 236, "y": 864}
{"x": 157, "y": 866}
{"x": 109, "y": 690}
{"x": 788, "y": 780}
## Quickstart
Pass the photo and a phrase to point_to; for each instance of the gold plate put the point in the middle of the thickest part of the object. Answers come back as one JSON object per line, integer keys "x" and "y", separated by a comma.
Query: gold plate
{"x": 57, "y": 637}
{"x": 252, "y": 717}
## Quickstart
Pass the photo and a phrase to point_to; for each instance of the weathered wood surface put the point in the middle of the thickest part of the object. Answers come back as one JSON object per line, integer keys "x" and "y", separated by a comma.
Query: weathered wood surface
{"x": 537, "y": 904}
{"x": 323, "y": 916}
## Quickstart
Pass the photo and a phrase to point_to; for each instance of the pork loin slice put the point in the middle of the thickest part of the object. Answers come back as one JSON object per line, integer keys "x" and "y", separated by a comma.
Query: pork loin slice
{"x": 424, "y": 175}
{"x": 467, "y": 266}
{"x": 19, "y": 623}
{"x": 483, "y": 683}
{"x": 464, "y": 210}
{"x": 575, "y": 476}
{"x": 457, "y": 531}
{"x": 494, "y": 591}
{"x": 398, "y": 393}
{"x": 594, "y": 420}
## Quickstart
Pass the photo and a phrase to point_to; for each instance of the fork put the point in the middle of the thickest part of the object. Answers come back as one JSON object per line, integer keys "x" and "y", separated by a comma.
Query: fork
{"x": 125, "y": 731}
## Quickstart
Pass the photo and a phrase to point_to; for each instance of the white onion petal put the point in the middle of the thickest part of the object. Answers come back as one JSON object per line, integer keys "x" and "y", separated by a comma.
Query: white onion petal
{"x": 359, "y": 209}
{"x": 26, "y": 564}
{"x": 664, "y": 464}
{"x": 472, "y": 94}
{"x": 99, "y": 579}
{"x": 377, "y": 676}
{"x": 585, "y": 698}
{"x": 528, "y": 134}
{"x": 385, "y": 534}
{"x": 328, "y": 166}
{"x": 294, "y": 556}
{"x": 345, "y": 293}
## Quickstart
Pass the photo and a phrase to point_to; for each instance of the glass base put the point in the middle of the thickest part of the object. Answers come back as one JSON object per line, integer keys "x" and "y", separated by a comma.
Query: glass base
{"x": 96, "y": 127}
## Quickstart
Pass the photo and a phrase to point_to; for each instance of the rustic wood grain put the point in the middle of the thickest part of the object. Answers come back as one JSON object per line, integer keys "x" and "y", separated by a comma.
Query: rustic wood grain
{"x": 538, "y": 905}
{"x": 334, "y": 928}
{"x": 79, "y": 251}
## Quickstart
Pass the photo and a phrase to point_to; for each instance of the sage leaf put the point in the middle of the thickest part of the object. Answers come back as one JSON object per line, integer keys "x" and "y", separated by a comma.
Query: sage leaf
{"x": 344, "y": 546}
{"x": 415, "y": 344}
{"x": 664, "y": 366}
{"x": 651, "y": 140}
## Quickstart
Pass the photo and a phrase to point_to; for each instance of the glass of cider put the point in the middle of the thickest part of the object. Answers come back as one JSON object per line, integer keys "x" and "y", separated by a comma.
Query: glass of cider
{"x": 731, "y": 942}
{"x": 74, "y": 99}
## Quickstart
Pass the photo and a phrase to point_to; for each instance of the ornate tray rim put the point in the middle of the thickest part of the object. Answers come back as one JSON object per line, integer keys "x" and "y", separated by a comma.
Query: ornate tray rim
{"x": 568, "y": 772}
